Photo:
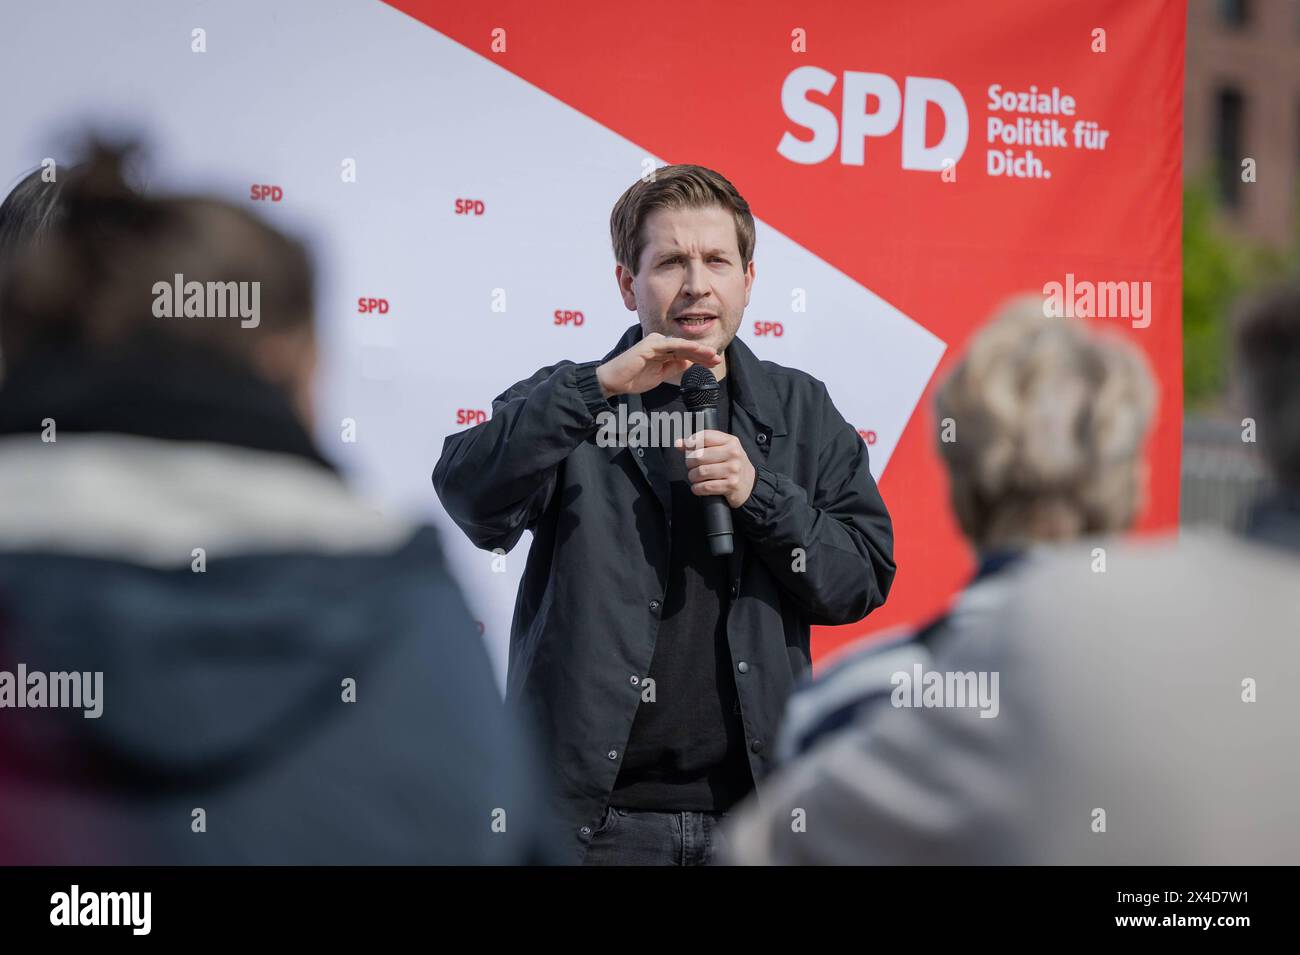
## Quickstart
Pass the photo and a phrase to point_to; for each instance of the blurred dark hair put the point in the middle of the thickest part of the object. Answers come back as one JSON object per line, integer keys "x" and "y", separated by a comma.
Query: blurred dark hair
{"x": 89, "y": 282}
{"x": 1268, "y": 348}
{"x": 30, "y": 211}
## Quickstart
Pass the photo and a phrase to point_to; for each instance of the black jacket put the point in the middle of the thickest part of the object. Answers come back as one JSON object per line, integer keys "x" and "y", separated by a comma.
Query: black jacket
{"x": 587, "y": 611}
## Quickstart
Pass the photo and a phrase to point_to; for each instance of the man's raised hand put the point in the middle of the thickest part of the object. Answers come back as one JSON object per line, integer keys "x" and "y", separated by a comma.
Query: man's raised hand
{"x": 651, "y": 361}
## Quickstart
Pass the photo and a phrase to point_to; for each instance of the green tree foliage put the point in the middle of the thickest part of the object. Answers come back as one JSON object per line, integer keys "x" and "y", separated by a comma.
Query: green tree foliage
{"x": 1218, "y": 268}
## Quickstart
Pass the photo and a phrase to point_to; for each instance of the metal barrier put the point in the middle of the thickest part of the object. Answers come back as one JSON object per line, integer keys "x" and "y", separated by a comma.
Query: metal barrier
{"x": 1222, "y": 474}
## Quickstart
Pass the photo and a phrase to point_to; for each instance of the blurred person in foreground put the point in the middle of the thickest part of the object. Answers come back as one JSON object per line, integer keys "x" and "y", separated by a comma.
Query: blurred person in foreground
{"x": 1047, "y": 426}
{"x": 1043, "y": 427}
{"x": 1147, "y": 711}
{"x": 210, "y": 651}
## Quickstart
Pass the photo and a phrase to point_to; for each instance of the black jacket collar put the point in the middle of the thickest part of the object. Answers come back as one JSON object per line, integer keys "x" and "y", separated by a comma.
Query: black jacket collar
{"x": 751, "y": 388}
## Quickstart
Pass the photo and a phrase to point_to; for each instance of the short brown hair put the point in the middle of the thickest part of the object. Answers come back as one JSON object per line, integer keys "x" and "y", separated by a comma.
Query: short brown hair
{"x": 676, "y": 187}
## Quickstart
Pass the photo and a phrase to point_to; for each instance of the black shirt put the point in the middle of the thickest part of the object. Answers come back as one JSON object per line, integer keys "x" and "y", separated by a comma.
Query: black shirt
{"x": 687, "y": 747}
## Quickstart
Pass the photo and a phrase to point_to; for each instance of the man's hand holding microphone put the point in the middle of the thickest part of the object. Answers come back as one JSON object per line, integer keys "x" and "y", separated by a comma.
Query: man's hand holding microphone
{"x": 717, "y": 464}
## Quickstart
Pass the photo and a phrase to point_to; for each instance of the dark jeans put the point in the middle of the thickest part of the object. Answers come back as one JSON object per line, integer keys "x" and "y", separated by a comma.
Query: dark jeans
{"x": 646, "y": 837}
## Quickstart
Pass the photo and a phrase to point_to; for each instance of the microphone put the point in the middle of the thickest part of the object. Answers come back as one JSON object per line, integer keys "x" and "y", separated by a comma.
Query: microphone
{"x": 700, "y": 395}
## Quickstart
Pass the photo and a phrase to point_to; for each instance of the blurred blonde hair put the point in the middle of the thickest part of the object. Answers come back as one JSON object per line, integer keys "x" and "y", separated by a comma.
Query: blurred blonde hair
{"x": 1048, "y": 417}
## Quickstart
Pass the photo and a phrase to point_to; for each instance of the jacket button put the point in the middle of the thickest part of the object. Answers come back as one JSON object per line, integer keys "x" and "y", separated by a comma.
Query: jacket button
{"x": 743, "y": 667}
{"x": 640, "y": 452}
{"x": 761, "y": 438}
{"x": 636, "y": 680}
{"x": 585, "y": 830}
{"x": 756, "y": 745}
{"x": 735, "y": 589}
{"x": 613, "y": 754}
{"x": 654, "y": 605}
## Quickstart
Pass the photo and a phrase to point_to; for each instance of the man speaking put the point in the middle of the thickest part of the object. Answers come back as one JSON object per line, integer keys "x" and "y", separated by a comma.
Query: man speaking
{"x": 656, "y": 672}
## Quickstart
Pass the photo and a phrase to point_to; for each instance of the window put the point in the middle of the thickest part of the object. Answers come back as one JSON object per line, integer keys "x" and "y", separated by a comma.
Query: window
{"x": 1229, "y": 114}
{"x": 1234, "y": 13}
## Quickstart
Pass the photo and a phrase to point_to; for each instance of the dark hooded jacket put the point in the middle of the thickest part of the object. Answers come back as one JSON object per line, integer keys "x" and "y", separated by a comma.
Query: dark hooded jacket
{"x": 287, "y": 675}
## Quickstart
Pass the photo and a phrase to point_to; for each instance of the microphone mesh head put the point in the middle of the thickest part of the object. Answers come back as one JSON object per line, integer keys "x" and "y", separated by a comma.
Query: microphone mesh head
{"x": 699, "y": 388}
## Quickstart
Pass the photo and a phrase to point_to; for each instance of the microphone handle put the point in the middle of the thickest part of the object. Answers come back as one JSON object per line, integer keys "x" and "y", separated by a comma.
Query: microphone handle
{"x": 717, "y": 513}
